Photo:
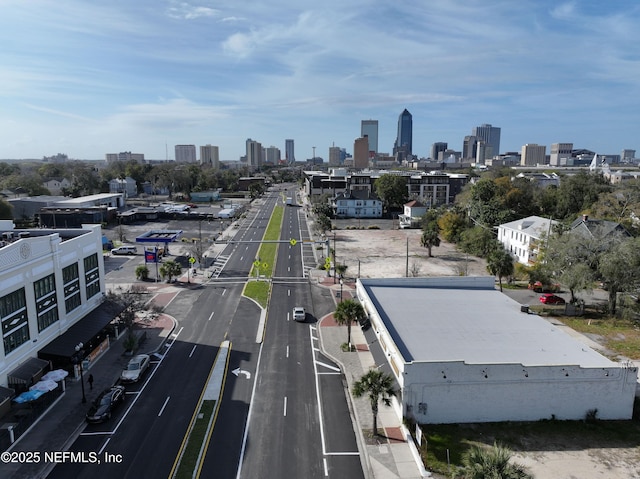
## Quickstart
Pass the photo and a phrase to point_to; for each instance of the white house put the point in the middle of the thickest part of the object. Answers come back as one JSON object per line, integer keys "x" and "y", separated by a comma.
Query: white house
{"x": 463, "y": 352}
{"x": 522, "y": 237}
{"x": 413, "y": 212}
{"x": 357, "y": 204}
{"x": 127, "y": 185}
{"x": 56, "y": 185}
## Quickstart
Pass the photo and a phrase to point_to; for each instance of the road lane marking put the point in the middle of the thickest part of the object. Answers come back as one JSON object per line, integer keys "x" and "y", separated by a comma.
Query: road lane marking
{"x": 287, "y": 351}
{"x": 194, "y": 348}
{"x": 285, "y": 406}
{"x": 104, "y": 447}
{"x": 328, "y": 366}
{"x": 163, "y": 406}
{"x": 326, "y": 466}
{"x": 211, "y": 315}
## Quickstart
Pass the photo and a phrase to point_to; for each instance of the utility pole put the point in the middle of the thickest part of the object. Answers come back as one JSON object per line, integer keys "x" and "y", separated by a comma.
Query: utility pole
{"x": 406, "y": 274}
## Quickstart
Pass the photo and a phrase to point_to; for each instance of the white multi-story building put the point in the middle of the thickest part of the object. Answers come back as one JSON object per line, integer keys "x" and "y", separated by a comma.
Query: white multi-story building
{"x": 522, "y": 237}
{"x": 185, "y": 153}
{"x": 272, "y": 155}
{"x": 50, "y": 279}
{"x": 560, "y": 154}
{"x": 210, "y": 155}
{"x": 533, "y": 155}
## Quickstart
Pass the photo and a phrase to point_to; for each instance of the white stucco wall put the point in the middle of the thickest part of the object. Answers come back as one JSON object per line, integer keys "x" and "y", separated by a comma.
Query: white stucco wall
{"x": 456, "y": 392}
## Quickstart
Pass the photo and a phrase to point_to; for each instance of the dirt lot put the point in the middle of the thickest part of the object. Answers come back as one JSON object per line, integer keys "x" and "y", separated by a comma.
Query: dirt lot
{"x": 383, "y": 253}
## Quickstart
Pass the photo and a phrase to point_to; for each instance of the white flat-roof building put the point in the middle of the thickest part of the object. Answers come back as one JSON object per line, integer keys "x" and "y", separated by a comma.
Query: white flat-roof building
{"x": 49, "y": 280}
{"x": 464, "y": 352}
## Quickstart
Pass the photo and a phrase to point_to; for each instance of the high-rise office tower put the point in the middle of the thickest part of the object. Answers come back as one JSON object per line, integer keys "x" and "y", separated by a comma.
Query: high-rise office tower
{"x": 185, "y": 153}
{"x": 491, "y": 136}
{"x": 272, "y": 155}
{"x": 403, "y": 145}
{"x": 469, "y": 147}
{"x": 288, "y": 151}
{"x": 533, "y": 154}
{"x": 361, "y": 153}
{"x": 334, "y": 155}
{"x": 437, "y": 148}
{"x": 369, "y": 128}
{"x": 209, "y": 155}
{"x": 628, "y": 154}
{"x": 254, "y": 153}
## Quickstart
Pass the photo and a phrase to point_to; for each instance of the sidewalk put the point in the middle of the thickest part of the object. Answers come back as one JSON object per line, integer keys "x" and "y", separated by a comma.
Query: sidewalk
{"x": 58, "y": 427}
{"x": 393, "y": 454}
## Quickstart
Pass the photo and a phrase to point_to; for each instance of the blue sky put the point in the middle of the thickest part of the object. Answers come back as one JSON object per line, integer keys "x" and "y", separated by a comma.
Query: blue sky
{"x": 87, "y": 78}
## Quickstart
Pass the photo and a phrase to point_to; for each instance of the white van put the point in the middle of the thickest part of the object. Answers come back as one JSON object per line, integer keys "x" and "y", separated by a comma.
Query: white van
{"x": 125, "y": 250}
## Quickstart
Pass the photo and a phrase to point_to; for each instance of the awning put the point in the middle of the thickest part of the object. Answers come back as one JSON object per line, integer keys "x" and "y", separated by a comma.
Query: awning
{"x": 27, "y": 371}
{"x": 63, "y": 347}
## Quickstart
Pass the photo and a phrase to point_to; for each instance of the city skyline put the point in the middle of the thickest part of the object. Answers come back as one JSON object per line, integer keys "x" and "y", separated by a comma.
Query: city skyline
{"x": 86, "y": 80}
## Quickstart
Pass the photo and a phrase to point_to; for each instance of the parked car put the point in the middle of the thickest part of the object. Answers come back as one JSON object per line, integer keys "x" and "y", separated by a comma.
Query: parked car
{"x": 299, "y": 314}
{"x": 105, "y": 403}
{"x": 539, "y": 287}
{"x": 549, "y": 298}
{"x": 125, "y": 250}
{"x": 135, "y": 369}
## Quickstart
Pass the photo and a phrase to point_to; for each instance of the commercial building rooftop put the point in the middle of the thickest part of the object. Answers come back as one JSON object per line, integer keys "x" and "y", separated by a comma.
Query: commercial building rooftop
{"x": 466, "y": 319}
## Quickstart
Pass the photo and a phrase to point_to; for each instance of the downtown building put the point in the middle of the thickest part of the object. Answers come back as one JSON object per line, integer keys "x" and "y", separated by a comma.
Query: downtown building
{"x": 289, "y": 151}
{"x": 254, "y": 154}
{"x": 369, "y": 129}
{"x": 403, "y": 146}
{"x": 533, "y": 155}
{"x": 185, "y": 153}
{"x": 490, "y": 136}
{"x": 210, "y": 155}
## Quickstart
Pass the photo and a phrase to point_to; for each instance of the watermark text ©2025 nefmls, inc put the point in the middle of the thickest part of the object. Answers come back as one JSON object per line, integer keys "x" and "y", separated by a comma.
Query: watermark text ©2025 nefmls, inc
{"x": 59, "y": 457}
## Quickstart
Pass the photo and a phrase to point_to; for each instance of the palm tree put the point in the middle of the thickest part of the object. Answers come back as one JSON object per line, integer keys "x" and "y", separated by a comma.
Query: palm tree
{"x": 379, "y": 387}
{"x": 500, "y": 264}
{"x": 347, "y": 312}
{"x": 170, "y": 269}
{"x": 480, "y": 463}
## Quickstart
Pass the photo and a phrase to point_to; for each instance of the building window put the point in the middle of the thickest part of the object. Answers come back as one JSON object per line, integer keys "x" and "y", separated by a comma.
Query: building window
{"x": 92, "y": 275}
{"x": 71, "y": 287}
{"x": 15, "y": 321}
{"x": 44, "y": 291}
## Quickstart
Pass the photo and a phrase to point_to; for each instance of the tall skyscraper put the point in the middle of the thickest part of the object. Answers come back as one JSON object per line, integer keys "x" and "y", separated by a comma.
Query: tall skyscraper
{"x": 288, "y": 151}
{"x": 254, "y": 154}
{"x": 185, "y": 153}
{"x": 437, "y": 148}
{"x": 272, "y": 155}
{"x": 469, "y": 147}
{"x": 533, "y": 154}
{"x": 403, "y": 145}
{"x": 334, "y": 155}
{"x": 491, "y": 136}
{"x": 369, "y": 128}
{"x": 361, "y": 153}
{"x": 209, "y": 155}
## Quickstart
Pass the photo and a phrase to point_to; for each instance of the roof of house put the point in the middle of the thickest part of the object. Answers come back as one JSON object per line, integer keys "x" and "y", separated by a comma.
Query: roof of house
{"x": 357, "y": 195}
{"x": 414, "y": 204}
{"x": 534, "y": 226}
{"x": 592, "y": 227}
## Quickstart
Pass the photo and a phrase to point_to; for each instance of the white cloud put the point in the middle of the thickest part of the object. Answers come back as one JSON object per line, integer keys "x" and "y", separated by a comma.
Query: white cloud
{"x": 186, "y": 11}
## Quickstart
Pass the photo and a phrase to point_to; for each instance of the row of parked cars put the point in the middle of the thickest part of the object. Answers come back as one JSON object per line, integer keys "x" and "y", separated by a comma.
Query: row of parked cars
{"x": 110, "y": 399}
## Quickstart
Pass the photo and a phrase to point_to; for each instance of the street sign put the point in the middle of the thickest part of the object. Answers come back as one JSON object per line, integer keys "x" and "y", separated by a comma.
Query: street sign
{"x": 292, "y": 242}
{"x": 192, "y": 260}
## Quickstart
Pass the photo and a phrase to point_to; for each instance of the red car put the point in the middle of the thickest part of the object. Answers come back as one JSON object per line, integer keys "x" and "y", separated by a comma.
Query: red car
{"x": 549, "y": 298}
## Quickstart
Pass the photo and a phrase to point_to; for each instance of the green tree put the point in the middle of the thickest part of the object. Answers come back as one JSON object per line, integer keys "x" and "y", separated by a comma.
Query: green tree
{"x": 142, "y": 272}
{"x": 451, "y": 224}
{"x": 478, "y": 241}
{"x": 620, "y": 269}
{"x": 392, "y": 191}
{"x": 346, "y": 313}
{"x": 378, "y": 386}
{"x": 6, "y": 210}
{"x": 500, "y": 264}
{"x": 577, "y": 193}
{"x": 322, "y": 223}
{"x": 494, "y": 463}
{"x": 169, "y": 270}
{"x": 430, "y": 231}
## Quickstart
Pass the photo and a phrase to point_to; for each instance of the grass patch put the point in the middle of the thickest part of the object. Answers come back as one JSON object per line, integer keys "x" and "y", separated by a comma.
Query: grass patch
{"x": 196, "y": 438}
{"x": 619, "y": 335}
{"x": 258, "y": 291}
{"x": 547, "y": 435}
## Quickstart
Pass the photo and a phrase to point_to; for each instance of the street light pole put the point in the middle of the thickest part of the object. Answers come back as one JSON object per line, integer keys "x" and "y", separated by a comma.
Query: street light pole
{"x": 78, "y": 357}
{"x": 334, "y": 258}
{"x": 341, "y": 283}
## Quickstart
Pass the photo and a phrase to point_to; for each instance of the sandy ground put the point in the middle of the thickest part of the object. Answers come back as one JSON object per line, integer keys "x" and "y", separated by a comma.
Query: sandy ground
{"x": 383, "y": 253}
